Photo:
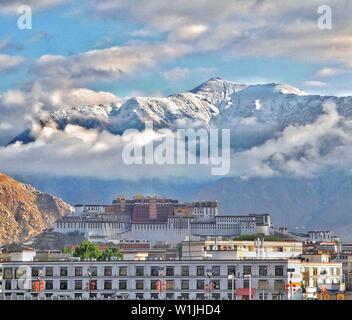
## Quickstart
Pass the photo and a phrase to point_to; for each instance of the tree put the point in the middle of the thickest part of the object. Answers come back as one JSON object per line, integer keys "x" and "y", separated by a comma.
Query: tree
{"x": 87, "y": 251}
{"x": 108, "y": 253}
{"x": 68, "y": 250}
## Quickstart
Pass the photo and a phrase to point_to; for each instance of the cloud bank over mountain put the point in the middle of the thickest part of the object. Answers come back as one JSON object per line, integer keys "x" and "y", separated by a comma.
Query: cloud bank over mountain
{"x": 291, "y": 134}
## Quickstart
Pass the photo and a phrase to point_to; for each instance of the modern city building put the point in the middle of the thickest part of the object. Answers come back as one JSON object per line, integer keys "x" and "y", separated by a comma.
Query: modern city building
{"x": 240, "y": 249}
{"x": 216, "y": 279}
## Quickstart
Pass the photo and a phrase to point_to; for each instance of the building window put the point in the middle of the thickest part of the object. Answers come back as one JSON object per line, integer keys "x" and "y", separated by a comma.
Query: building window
{"x": 231, "y": 270}
{"x": 279, "y": 285}
{"x": 154, "y": 271}
{"x": 216, "y": 296}
{"x": 139, "y": 271}
{"x": 246, "y": 283}
{"x": 184, "y": 285}
{"x": 108, "y": 271}
{"x": 154, "y": 296}
{"x": 200, "y": 296}
{"x": 107, "y": 285}
{"x": 49, "y": 285}
{"x": 139, "y": 285}
{"x": 247, "y": 270}
{"x": 78, "y": 285}
{"x": 123, "y": 271}
{"x": 279, "y": 271}
{"x": 200, "y": 285}
{"x": 122, "y": 285}
{"x": 63, "y": 272}
{"x": 263, "y": 296}
{"x": 35, "y": 272}
{"x": 20, "y": 273}
{"x": 7, "y": 285}
{"x": 93, "y": 271}
{"x": 153, "y": 284}
{"x": 263, "y": 285}
{"x": 78, "y": 271}
{"x": 170, "y": 284}
{"x": 139, "y": 296}
{"x": 49, "y": 272}
{"x": 216, "y": 284}
{"x": 8, "y": 273}
{"x": 229, "y": 285}
{"x": 169, "y": 271}
{"x": 184, "y": 271}
{"x": 200, "y": 271}
{"x": 184, "y": 296}
{"x": 263, "y": 271}
{"x": 63, "y": 285}
{"x": 216, "y": 271}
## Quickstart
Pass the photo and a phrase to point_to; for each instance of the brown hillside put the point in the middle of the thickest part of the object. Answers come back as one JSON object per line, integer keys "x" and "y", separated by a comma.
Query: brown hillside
{"x": 25, "y": 211}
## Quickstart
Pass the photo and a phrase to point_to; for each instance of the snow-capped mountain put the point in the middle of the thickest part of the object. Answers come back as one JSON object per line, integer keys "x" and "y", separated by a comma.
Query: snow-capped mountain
{"x": 215, "y": 103}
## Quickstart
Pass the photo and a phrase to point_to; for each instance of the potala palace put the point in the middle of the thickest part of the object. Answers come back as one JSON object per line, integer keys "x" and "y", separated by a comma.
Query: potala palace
{"x": 157, "y": 219}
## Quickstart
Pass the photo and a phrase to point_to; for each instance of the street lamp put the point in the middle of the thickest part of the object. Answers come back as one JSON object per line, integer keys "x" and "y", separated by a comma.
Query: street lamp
{"x": 90, "y": 274}
{"x": 249, "y": 276}
{"x": 209, "y": 275}
{"x": 161, "y": 272}
{"x": 232, "y": 278}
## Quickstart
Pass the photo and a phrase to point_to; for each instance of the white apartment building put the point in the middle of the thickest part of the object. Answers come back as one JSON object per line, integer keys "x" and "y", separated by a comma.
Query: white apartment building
{"x": 269, "y": 279}
{"x": 240, "y": 249}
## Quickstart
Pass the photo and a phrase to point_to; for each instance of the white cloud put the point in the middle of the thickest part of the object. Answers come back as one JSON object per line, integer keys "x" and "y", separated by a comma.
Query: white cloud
{"x": 11, "y": 6}
{"x": 189, "y": 32}
{"x": 103, "y": 64}
{"x": 328, "y": 72}
{"x": 243, "y": 28}
{"x": 315, "y": 84}
{"x": 301, "y": 151}
{"x": 8, "y": 62}
{"x": 176, "y": 74}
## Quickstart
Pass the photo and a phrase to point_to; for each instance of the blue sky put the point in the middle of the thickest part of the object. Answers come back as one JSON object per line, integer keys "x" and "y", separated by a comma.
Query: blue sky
{"x": 73, "y": 27}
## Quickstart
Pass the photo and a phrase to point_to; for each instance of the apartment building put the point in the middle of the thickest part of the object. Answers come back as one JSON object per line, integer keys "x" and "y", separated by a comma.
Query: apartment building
{"x": 240, "y": 249}
{"x": 178, "y": 279}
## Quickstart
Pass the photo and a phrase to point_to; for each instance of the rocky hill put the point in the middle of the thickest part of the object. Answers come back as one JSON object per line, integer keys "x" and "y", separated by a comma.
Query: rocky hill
{"x": 25, "y": 211}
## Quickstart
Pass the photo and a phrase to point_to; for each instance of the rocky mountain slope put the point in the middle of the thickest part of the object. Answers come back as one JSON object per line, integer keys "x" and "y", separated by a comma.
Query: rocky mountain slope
{"x": 25, "y": 211}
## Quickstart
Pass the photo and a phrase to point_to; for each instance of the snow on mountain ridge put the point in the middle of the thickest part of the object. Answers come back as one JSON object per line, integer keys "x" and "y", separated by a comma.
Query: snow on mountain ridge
{"x": 214, "y": 103}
